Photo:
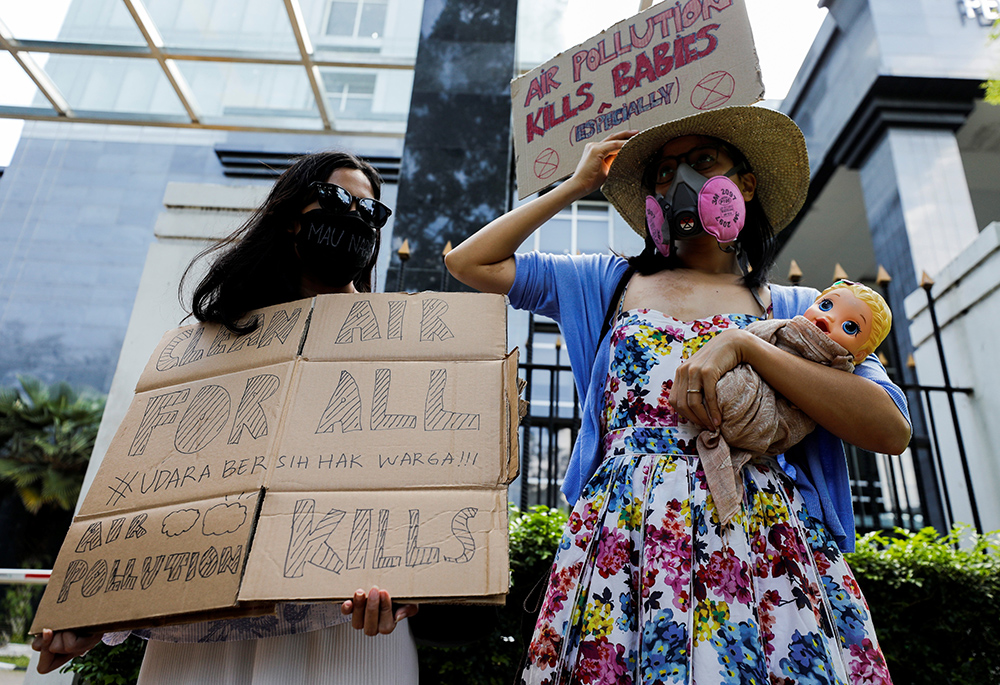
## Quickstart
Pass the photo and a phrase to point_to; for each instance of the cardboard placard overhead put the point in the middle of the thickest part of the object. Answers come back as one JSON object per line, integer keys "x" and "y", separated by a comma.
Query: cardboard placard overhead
{"x": 349, "y": 441}
{"x": 669, "y": 61}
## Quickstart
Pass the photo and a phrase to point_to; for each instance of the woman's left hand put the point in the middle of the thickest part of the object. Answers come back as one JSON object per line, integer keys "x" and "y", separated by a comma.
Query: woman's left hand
{"x": 58, "y": 647}
{"x": 372, "y": 611}
{"x": 693, "y": 395}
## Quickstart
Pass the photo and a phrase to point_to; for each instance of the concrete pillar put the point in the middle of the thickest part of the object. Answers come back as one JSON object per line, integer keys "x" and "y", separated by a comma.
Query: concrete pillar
{"x": 918, "y": 203}
{"x": 921, "y": 217}
{"x": 196, "y": 215}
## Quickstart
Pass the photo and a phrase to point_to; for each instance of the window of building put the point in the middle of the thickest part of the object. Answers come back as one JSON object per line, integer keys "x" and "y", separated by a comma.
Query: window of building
{"x": 583, "y": 227}
{"x": 349, "y": 94}
{"x": 357, "y": 18}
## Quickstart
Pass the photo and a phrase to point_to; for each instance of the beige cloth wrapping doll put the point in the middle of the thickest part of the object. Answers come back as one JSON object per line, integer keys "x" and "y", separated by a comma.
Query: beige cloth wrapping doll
{"x": 845, "y": 323}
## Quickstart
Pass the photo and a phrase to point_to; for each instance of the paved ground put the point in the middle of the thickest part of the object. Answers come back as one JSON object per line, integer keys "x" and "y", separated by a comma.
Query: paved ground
{"x": 13, "y": 677}
{"x": 30, "y": 677}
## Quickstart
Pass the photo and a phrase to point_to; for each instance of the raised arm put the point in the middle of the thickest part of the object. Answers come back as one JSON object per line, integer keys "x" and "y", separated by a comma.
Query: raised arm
{"x": 485, "y": 260}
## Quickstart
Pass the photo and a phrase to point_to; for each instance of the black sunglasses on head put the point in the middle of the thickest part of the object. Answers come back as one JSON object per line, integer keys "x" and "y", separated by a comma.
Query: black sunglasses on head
{"x": 333, "y": 198}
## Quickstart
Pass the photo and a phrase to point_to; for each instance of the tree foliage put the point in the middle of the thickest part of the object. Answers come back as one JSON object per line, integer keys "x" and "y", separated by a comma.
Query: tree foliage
{"x": 992, "y": 86}
{"x": 46, "y": 436}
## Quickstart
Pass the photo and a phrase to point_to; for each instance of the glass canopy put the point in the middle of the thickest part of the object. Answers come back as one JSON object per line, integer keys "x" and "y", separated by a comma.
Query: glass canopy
{"x": 341, "y": 66}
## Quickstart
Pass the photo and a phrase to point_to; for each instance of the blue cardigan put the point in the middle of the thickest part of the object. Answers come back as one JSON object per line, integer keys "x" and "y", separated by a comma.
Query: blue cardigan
{"x": 576, "y": 292}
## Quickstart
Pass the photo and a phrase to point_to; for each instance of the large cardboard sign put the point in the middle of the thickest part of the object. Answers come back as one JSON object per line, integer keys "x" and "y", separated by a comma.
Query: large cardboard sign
{"x": 672, "y": 60}
{"x": 350, "y": 440}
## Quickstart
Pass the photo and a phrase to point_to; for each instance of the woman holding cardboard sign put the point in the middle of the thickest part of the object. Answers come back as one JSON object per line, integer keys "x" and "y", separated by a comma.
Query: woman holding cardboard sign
{"x": 318, "y": 231}
{"x": 648, "y": 585}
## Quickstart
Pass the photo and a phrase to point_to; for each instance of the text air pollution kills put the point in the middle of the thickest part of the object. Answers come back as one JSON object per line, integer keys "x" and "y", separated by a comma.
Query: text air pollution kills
{"x": 630, "y": 72}
{"x": 310, "y": 544}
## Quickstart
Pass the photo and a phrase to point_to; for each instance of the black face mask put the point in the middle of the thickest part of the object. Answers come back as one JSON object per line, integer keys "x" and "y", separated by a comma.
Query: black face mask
{"x": 334, "y": 248}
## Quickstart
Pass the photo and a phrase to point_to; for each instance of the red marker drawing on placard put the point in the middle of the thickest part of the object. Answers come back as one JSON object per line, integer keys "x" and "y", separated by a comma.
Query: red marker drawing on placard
{"x": 546, "y": 163}
{"x": 713, "y": 90}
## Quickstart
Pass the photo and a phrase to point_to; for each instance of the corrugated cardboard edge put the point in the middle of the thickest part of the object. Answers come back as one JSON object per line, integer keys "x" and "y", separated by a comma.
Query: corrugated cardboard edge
{"x": 147, "y": 381}
{"x": 242, "y": 610}
{"x": 512, "y": 416}
{"x": 484, "y": 600}
{"x": 305, "y": 329}
{"x": 505, "y": 527}
{"x": 294, "y": 378}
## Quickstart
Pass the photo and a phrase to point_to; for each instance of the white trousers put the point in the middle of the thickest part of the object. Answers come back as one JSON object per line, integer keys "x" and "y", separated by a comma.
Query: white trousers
{"x": 332, "y": 656}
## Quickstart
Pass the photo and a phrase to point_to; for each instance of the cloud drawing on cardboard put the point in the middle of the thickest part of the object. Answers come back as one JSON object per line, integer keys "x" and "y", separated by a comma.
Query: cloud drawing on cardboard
{"x": 224, "y": 518}
{"x": 179, "y": 522}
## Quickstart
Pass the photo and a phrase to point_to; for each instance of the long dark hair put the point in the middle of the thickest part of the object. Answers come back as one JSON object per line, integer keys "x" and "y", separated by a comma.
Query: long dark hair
{"x": 256, "y": 266}
{"x": 756, "y": 239}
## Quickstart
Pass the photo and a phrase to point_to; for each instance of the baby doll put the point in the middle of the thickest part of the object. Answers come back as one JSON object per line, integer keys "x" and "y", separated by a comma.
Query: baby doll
{"x": 843, "y": 326}
{"x": 853, "y": 315}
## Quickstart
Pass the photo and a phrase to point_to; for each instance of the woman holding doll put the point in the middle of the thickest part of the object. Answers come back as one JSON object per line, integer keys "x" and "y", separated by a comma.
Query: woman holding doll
{"x": 648, "y": 585}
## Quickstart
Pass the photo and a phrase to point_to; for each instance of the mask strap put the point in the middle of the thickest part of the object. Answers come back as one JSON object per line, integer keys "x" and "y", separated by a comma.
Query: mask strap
{"x": 760, "y": 303}
{"x": 735, "y": 171}
{"x": 741, "y": 258}
{"x": 744, "y": 262}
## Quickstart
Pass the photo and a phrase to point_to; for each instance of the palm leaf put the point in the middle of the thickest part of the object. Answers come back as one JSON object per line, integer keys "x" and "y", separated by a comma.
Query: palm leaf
{"x": 47, "y": 433}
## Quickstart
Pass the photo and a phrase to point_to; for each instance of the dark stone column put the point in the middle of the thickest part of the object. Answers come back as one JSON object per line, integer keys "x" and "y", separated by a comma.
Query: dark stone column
{"x": 891, "y": 244}
{"x": 455, "y": 173}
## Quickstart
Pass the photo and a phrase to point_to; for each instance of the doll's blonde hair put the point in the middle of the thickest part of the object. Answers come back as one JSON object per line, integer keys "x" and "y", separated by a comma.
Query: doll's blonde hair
{"x": 881, "y": 314}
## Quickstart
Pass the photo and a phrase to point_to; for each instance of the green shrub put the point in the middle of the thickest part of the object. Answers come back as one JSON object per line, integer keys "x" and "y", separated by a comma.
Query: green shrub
{"x": 104, "y": 665}
{"x": 534, "y": 537}
{"x": 17, "y": 608}
{"x": 935, "y": 604}
{"x": 19, "y": 662}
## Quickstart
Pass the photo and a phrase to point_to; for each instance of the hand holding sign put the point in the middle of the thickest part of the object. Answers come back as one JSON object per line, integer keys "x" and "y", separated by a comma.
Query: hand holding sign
{"x": 597, "y": 158}
{"x": 57, "y": 648}
{"x": 672, "y": 60}
{"x": 373, "y": 612}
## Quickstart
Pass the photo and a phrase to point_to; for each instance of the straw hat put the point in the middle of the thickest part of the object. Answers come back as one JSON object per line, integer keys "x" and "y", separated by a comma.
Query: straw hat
{"x": 772, "y": 143}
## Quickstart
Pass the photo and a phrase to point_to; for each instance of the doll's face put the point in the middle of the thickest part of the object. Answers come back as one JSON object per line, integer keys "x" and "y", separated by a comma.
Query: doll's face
{"x": 842, "y": 316}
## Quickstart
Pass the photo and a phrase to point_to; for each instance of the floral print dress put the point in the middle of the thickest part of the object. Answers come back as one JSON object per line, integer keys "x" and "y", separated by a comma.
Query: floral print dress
{"x": 648, "y": 587}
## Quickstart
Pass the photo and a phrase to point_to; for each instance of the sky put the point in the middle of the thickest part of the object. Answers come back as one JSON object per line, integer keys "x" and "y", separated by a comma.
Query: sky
{"x": 783, "y": 31}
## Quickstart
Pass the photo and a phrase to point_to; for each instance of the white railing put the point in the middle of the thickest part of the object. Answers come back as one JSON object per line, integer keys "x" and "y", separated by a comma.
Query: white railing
{"x": 24, "y": 576}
